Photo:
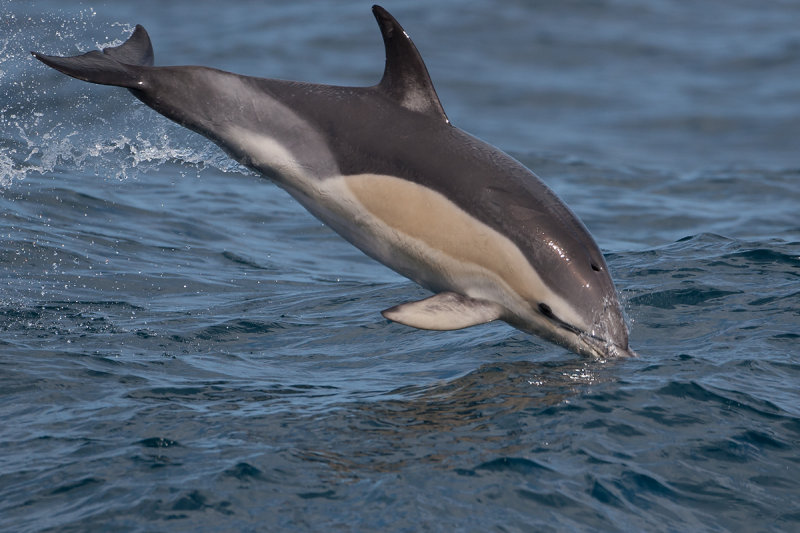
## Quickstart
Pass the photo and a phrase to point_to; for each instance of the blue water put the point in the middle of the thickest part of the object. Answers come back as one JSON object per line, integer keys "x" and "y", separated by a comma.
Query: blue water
{"x": 184, "y": 348}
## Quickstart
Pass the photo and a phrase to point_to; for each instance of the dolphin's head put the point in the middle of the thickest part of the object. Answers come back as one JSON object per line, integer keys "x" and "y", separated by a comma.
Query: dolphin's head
{"x": 581, "y": 313}
{"x": 576, "y": 303}
{"x": 595, "y": 327}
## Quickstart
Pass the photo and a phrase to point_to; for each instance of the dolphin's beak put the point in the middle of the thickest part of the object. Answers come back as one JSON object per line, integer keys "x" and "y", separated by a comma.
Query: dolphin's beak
{"x": 596, "y": 343}
{"x": 603, "y": 349}
{"x": 618, "y": 351}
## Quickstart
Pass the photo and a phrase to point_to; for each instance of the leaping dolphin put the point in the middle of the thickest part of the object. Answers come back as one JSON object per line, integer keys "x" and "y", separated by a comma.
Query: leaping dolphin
{"x": 383, "y": 167}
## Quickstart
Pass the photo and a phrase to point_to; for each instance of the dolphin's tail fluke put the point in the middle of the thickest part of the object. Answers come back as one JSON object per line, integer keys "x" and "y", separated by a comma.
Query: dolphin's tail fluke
{"x": 119, "y": 65}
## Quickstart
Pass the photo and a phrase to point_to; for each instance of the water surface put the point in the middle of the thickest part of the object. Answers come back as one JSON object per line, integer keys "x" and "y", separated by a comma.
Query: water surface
{"x": 184, "y": 348}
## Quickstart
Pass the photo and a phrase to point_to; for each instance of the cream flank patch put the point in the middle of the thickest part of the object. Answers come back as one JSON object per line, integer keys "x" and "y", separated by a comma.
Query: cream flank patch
{"x": 466, "y": 252}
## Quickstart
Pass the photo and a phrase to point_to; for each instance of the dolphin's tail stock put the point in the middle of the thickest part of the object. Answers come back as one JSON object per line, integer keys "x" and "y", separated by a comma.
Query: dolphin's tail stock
{"x": 119, "y": 65}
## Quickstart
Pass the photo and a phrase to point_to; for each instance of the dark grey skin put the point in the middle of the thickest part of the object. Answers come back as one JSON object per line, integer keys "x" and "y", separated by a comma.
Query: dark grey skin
{"x": 384, "y": 167}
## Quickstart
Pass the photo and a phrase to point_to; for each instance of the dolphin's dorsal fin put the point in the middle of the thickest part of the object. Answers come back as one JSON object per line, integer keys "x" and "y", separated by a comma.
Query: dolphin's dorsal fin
{"x": 405, "y": 78}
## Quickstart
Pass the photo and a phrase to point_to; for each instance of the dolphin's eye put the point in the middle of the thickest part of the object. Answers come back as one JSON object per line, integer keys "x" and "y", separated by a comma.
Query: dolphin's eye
{"x": 546, "y": 311}
{"x": 595, "y": 267}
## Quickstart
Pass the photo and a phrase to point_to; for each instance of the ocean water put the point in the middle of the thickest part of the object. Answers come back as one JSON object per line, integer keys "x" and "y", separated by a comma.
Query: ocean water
{"x": 184, "y": 348}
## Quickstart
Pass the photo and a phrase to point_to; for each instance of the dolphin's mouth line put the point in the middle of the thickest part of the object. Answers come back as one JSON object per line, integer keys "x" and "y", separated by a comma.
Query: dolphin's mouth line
{"x": 599, "y": 344}
{"x": 548, "y": 312}
{"x": 580, "y": 333}
{"x": 604, "y": 348}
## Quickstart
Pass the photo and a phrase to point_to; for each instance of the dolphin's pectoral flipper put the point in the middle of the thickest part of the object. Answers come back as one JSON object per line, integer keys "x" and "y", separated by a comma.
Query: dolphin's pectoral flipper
{"x": 444, "y": 311}
{"x": 117, "y": 65}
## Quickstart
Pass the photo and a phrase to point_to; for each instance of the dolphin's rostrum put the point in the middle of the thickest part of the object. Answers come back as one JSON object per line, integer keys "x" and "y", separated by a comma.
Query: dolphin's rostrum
{"x": 384, "y": 167}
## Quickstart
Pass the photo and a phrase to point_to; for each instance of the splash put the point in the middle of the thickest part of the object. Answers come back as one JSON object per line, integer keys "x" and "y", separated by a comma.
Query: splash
{"x": 50, "y": 123}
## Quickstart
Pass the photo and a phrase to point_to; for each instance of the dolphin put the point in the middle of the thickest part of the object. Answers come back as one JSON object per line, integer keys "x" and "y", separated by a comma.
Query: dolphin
{"x": 384, "y": 167}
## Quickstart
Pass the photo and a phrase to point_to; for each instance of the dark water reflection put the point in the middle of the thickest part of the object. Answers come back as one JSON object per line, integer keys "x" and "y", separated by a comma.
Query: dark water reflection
{"x": 490, "y": 411}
